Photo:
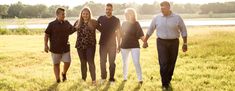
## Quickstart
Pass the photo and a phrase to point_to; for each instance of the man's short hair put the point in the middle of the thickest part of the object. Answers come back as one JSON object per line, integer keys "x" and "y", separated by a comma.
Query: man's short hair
{"x": 58, "y": 10}
{"x": 109, "y": 5}
{"x": 165, "y": 3}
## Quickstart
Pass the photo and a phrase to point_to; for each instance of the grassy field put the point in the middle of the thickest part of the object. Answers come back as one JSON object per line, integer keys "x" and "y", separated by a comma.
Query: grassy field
{"x": 209, "y": 65}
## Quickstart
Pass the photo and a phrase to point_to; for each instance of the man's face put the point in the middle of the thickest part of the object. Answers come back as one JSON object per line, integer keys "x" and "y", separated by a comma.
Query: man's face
{"x": 109, "y": 10}
{"x": 165, "y": 9}
{"x": 61, "y": 15}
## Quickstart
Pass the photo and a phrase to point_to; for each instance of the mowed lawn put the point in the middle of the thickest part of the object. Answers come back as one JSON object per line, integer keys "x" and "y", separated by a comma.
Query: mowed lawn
{"x": 209, "y": 65}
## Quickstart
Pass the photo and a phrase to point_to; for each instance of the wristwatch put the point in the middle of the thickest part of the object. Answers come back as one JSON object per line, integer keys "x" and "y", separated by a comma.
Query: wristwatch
{"x": 185, "y": 44}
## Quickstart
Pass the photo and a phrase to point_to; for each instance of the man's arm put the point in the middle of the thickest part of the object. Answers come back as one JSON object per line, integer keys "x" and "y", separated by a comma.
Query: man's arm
{"x": 149, "y": 32}
{"x": 185, "y": 45}
{"x": 99, "y": 26}
{"x": 46, "y": 47}
{"x": 145, "y": 44}
{"x": 118, "y": 39}
{"x": 184, "y": 34}
{"x": 72, "y": 28}
{"x": 118, "y": 33}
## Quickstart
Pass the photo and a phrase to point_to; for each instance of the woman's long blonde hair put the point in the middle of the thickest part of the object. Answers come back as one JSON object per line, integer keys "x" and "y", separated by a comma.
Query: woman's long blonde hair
{"x": 81, "y": 20}
{"x": 132, "y": 12}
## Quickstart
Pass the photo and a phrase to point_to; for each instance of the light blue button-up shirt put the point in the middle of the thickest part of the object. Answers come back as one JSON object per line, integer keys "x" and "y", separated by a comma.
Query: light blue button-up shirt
{"x": 168, "y": 27}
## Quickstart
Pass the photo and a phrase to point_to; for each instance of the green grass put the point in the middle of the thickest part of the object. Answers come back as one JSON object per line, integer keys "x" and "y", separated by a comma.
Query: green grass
{"x": 21, "y": 31}
{"x": 209, "y": 65}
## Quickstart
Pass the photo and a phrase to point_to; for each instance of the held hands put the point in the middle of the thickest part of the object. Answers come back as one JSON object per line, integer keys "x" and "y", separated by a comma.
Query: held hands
{"x": 145, "y": 45}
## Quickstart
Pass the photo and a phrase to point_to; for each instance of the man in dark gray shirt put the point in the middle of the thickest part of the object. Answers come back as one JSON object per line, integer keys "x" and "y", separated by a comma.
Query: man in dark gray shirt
{"x": 57, "y": 33}
{"x": 168, "y": 26}
{"x": 110, "y": 34}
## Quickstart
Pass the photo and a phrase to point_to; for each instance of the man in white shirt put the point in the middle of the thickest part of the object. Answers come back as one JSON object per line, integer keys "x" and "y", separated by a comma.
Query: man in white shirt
{"x": 169, "y": 26}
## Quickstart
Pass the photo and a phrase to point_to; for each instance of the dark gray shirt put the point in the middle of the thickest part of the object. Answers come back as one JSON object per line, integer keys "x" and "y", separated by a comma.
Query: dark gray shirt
{"x": 109, "y": 27}
{"x": 59, "y": 35}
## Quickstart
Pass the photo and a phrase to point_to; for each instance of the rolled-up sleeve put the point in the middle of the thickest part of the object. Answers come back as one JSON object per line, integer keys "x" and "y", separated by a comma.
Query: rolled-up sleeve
{"x": 152, "y": 27}
{"x": 48, "y": 29}
{"x": 182, "y": 27}
{"x": 139, "y": 32}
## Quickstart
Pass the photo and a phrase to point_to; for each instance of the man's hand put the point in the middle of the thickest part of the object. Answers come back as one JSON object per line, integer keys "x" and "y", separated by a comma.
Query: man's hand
{"x": 145, "y": 45}
{"x": 46, "y": 48}
{"x": 184, "y": 47}
{"x": 77, "y": 25}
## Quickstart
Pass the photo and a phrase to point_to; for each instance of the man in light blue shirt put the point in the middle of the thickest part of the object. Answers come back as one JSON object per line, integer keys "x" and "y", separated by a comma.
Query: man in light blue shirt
{"x": 169, "y": 26}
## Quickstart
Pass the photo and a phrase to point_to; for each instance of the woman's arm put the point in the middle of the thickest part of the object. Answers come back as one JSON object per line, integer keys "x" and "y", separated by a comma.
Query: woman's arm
{"x": 142, "y": 38}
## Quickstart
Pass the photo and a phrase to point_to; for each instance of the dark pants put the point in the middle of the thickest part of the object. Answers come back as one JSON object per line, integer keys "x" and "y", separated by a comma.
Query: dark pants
{"x": 167, "y": 55}
{"x": 87, "y": 56}
{"x": 109, "y": 51}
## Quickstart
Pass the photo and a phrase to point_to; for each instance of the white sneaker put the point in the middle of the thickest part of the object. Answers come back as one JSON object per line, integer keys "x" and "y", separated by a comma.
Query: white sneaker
{"x": 102, "y": 81}
{"x": 93, "y": 83}
{"x": 112, "y": 82}
{"x": 83, "y": 83}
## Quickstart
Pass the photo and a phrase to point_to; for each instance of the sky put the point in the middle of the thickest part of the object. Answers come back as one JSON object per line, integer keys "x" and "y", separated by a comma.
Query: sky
{"x": 73, "y": 3}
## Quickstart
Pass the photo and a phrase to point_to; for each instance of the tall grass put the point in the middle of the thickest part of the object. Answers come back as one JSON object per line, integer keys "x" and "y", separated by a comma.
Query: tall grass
{"x": 209, "y": 65}
{"x": 23, "y": 30}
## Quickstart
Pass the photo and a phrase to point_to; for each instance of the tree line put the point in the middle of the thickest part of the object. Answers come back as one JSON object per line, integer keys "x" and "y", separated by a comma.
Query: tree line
{"x": 21, "y": 10}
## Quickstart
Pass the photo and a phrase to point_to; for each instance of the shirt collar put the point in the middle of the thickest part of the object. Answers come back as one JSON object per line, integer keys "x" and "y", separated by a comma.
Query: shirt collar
{"x": 172, "y": 14}
{"x": 57, "y": 21}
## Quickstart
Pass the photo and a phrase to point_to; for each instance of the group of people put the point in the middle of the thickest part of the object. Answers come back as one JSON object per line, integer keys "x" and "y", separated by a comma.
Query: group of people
{"x": 114, "y": 38}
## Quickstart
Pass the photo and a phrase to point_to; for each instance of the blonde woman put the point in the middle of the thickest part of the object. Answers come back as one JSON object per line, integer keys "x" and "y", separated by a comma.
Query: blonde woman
{"x": 86, "y": 43}
{"x": 131, "y": 33}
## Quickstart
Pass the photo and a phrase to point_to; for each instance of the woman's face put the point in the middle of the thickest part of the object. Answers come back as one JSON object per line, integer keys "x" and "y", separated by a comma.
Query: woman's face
{"x": 85, "y": 15}
{"x": 129, "y": 16}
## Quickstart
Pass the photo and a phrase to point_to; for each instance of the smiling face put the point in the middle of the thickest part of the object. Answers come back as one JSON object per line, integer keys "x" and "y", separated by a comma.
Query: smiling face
{"x": 60, "y": 15}
{"x": 85, "y": 15}
{"x": 127, "y": 16}
{"x": 109, "y": 10}
{"x": 165, "y": 8}
{"x": 130, "y": 15}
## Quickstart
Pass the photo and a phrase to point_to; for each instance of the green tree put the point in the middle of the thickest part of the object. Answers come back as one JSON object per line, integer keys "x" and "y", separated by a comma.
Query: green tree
{"x": 52, "y": 9}
{"x": 28, "y": 11}
{"x": 96, "y": 8}
{"x": 3, "y": 10}
{"x": 76, "y": 11}
{"x": 41, "y": 10}
{"x": 149, "y": 9}
{"x": 15, "y": 9}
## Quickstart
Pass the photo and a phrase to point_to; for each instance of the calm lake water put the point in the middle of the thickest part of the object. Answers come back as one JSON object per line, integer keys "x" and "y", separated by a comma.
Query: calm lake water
{"x": 143, "y": 23}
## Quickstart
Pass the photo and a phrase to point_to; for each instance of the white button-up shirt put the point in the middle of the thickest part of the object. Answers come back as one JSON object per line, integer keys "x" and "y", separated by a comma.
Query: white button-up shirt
{"x": 168, "y": 27}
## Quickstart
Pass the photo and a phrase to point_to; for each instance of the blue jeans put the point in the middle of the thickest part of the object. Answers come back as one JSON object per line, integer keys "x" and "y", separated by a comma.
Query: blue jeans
{"x": 87, "y": 56}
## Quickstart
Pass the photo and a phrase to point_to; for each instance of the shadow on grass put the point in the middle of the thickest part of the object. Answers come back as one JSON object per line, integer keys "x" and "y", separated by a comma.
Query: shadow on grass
{"x": 77, "y": 86}
{"x": 53, "y": 87}
{"x": 121, "y": 86}
{"x": 106, "y": 87}
{"x": 137, "y": 88}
